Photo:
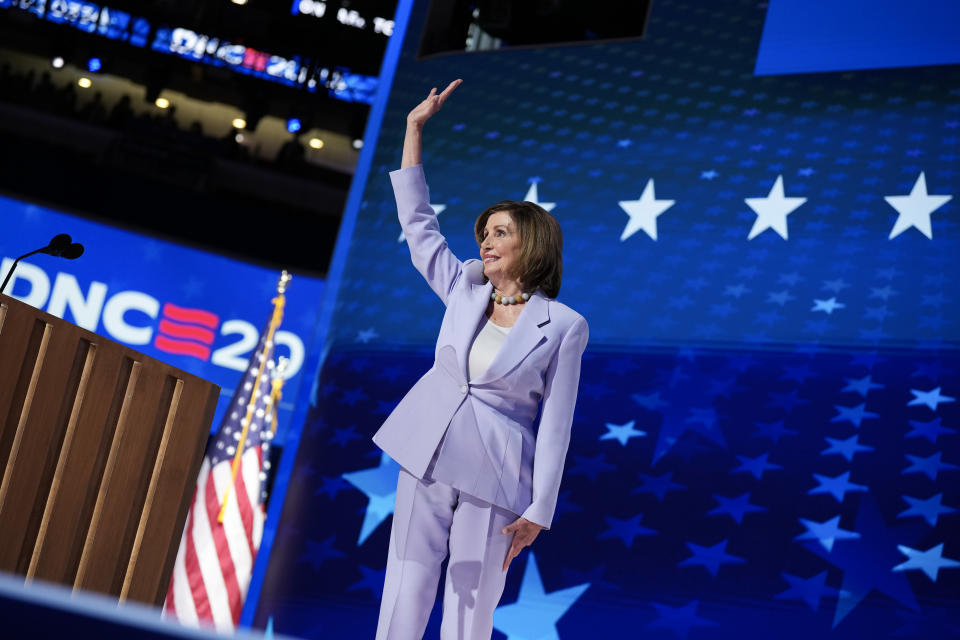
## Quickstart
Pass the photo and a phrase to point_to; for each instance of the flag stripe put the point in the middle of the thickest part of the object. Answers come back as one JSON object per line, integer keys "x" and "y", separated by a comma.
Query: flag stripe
{"x": 218, "y": 538}
{"x": 192, "y": 565}
{"x": 243, "y": 501}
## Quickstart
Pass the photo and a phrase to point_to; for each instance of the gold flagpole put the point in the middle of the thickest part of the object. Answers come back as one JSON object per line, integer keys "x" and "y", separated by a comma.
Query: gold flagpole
{"x": 275, "y": 321}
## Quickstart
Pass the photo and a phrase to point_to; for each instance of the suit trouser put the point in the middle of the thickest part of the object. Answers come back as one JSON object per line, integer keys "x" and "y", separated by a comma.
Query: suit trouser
{"x": 429, "y": 518}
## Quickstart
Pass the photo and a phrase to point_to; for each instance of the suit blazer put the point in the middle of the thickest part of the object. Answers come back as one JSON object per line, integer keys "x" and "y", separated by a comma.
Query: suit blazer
{"x": 537, "y": 368}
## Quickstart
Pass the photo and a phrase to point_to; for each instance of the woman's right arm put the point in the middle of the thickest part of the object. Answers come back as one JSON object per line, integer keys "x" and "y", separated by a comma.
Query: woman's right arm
{"x": 428, "y": 247}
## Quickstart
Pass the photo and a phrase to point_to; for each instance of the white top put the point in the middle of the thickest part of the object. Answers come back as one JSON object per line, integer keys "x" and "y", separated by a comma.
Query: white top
{"x": 485, "y": 348}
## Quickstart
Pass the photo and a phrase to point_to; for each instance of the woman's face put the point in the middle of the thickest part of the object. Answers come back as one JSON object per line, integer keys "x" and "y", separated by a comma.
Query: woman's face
{"x": 500, "y": 248}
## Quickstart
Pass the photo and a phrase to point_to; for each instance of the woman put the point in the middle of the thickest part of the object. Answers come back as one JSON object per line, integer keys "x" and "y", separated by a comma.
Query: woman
{"x": 475, "y": 479}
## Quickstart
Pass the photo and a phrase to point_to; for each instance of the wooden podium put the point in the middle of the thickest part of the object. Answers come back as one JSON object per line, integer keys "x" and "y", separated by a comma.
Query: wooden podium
{"x": 100, "y": 447}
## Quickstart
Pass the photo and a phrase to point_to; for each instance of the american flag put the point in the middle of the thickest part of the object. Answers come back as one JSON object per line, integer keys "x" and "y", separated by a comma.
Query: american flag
{"x": 225, "y": 524}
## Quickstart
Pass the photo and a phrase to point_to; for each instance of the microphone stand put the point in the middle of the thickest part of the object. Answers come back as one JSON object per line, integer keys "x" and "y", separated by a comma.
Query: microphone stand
{"x": 14, "y": 266}
{"x": 60, "y": 246}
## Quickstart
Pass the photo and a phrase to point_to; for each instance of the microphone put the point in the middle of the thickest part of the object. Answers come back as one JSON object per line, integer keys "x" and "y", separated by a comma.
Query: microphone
{"x": 61, "y": 246}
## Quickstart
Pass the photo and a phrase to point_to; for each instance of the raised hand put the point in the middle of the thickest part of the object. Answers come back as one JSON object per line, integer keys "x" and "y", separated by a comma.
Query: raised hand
{"x": 425, "y": 110}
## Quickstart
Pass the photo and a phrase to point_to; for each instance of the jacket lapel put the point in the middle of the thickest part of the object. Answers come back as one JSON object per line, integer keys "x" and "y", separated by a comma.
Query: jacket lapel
{"x": 523, "y": 337}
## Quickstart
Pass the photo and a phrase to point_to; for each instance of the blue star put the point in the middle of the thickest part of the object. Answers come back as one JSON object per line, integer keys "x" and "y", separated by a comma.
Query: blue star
{"x": 866, "y": 564}
{"x": 827, "y": 306}
{"x": 810, "y": 590}
{"x": 590, "y": 467}
{"x": 331, "y": 486}
{"x": 625, "y": 530}
{"x": 659, "y": 486}
{"x": 651, "y": 401}
{"x": 680, "y": 619}
{"x": 861, "y": 386}
{"x": 929, "y": 430}
{"x": 836, "y": 286}
{"x": 853, "y": 415}
{"x": 535, "y": 614}
{"x": 929, "y": 561}
{"x": 867, "y": 359}
{"x": 319, "y": 552}
{"x": 622, "y": 432}
{"x": 826, "y": 532}
{"x": 564, "y": 505}
{"x": 710, "y": 558}
{"x": 930, "y": 398}
{"x": 786, "y": 400}
{"x": 930, "y": 465}
{"x": 837, "y": 486}
{"x": 756, "y": 466}
{"x": 379, "y": 484}
{"x": 772, "y": 430}
{"x": 930, "y": 509}
{"x": 846, "y": 448}
{"x": 781, "y": 297}
{"x": 366, "y": 335}
{"x": 736, "y": 508}
{"x": 798, "y": 374}
{"x": 372, "y": 580}
{"x": 343, "y": 436}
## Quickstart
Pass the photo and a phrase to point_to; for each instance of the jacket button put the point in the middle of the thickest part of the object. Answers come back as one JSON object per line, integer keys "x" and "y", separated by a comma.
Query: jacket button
{"x": 463, "y": 388}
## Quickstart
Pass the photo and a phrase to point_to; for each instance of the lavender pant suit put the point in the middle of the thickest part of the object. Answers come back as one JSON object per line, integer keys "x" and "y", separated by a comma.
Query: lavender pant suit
{"x": 472, "y": 461}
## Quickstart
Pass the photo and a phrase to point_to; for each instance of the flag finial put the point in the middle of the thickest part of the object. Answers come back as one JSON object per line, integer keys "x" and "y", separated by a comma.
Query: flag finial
{"x": 285, "y": 278}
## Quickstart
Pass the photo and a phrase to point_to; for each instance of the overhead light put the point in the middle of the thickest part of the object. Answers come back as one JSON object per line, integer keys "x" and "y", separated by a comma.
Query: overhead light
{"x": 316, "y": 143}
{"x": 57, "y": 63}
{"x": 293, "y": 125}
{"x": 239, "y": 123}
{"x": 94, "y": 65}
{"x": 240, "y": 2}
{"x": 163, "y": 103}
{"x": 84, "y": 82}
{"x": 357, "y": 143}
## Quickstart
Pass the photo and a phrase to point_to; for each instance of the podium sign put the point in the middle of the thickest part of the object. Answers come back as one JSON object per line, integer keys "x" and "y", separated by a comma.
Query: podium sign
{"x": 100, "y": 447}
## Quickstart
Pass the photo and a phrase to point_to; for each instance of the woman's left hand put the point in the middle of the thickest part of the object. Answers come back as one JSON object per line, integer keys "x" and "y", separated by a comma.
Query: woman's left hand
{"x": 524, "y": 533}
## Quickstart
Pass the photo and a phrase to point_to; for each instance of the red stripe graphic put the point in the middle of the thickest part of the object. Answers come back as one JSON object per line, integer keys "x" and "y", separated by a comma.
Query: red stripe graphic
{"x": 189, "y": 332}
{"x": 223, "y": 549}
{"x": 194, "y": 316}
{"x": 181, "y": 347}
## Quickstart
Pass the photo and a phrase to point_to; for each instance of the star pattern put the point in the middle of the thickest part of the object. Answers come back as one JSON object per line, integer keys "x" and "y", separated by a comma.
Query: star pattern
{"x": 929, "y": 561}
{"x": 644, "y": 212}
{"x": 913, "y": 211}
{"x": 772, "y": 211}
{"x": 622, "y": 432}
{"x": 535, "y": 613}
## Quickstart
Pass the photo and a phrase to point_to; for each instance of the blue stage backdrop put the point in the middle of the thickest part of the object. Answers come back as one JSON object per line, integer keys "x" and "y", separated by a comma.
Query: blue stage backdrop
{"x": 198, "y": 311}
{"x": 766, "y": 441}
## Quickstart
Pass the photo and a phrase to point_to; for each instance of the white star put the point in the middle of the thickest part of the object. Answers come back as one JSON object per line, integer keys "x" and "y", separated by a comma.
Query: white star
{"x": 827, "y": 305}
{"x": 535, "y": 613}
{"x": 437, "y": 208}
{"x": 534, "y": 198}
{"x": 773, "y": 210}
{"x": 622, "y": 432}
{"x": 644, "y": 212}
{"x": 914, "y": 210}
